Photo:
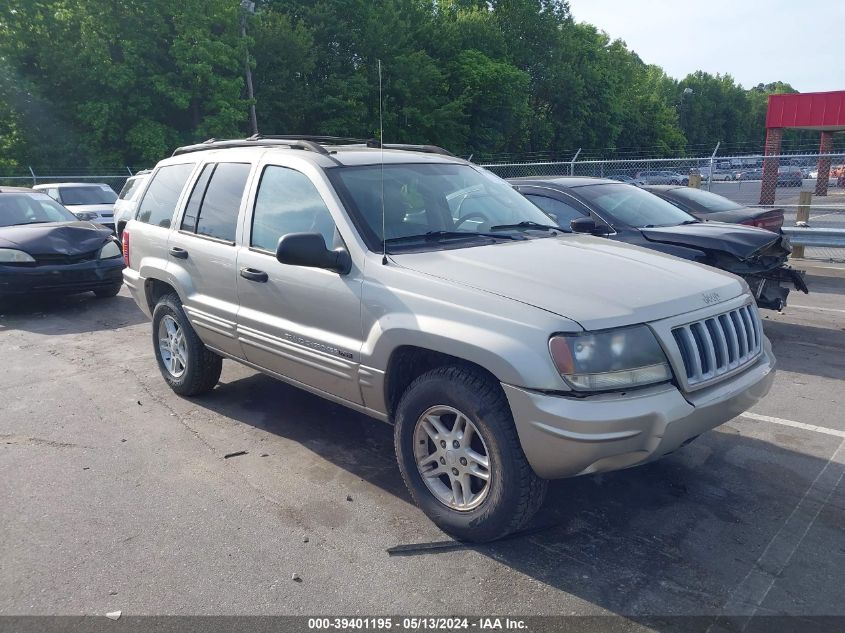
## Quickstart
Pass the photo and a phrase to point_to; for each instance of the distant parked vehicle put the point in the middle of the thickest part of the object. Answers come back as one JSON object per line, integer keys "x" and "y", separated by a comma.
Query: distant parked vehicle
{"x": 718, "y": 174}
{"x": 750, "y": 174}
{"x": 128, "y": 198}
{"x": 790, "y": 176}
{"x": 623, "y": 178}
{"x": 661, "y": 177}
{"x": 92, "y": 202}
{"x": 714, "y": 208}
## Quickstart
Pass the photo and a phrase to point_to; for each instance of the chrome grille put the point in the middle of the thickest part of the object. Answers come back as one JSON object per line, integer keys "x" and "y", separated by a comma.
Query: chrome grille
{"x": 719, "y": 344}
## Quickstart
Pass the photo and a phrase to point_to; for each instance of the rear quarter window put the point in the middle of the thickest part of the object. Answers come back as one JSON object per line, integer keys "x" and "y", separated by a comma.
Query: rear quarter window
{"x": 159, "y": 201}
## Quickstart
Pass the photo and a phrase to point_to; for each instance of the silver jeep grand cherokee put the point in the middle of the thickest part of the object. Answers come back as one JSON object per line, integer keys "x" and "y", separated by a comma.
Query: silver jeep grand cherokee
{"x": 424, "y": 291}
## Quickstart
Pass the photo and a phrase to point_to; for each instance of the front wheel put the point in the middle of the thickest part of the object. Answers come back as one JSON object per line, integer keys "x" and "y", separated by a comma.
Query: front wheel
{"x": 186, "y": 364}
{"x": 460, "y": 455}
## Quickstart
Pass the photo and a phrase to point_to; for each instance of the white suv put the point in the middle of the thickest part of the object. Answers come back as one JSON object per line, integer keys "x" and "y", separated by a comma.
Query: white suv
{"x": 90, "y": 201}
{"x": 424, "y": 291}
{"x": 127, "y": 199}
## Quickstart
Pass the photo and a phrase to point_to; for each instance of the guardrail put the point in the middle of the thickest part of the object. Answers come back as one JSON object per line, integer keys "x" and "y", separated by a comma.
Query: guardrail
{"x": 823, "y": 237}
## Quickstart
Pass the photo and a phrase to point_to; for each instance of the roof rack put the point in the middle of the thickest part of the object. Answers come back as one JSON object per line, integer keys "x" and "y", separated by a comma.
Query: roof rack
{"x": 368, "y": 142}
{"x": 253, "y": 141}
{"x": 304, "y": 142}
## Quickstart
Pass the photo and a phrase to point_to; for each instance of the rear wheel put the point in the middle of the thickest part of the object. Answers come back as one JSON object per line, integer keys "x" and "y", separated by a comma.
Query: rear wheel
{"x": 186, "y": 364}
{"x": 460, "y": 455}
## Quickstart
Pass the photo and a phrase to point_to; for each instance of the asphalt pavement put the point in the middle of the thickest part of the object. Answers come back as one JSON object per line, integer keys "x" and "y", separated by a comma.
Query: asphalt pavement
{"x": 118, "y": 495}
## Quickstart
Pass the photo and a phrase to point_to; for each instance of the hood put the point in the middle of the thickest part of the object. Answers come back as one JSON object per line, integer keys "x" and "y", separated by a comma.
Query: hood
{"x": 98, "y": 208}
{"x": 740, "y": 241}
{"x": 63, "y": 238}
{"x": 595, "y": 281}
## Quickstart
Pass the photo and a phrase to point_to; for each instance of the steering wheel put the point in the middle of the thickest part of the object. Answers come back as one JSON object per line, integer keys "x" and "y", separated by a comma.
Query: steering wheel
{"x": 469, "y": 216}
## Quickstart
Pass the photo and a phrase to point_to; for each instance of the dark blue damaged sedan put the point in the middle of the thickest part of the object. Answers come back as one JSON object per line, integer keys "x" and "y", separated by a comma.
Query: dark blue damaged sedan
{"x": 45, "y": 249}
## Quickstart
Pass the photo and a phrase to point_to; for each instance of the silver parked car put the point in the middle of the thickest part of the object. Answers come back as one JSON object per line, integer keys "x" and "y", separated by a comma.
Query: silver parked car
{"x": 424, "y": 291}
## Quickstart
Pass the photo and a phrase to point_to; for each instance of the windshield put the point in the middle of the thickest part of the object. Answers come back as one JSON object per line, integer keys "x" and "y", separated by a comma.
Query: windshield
{"x": 88, "y": 194}
{"x": 708, "y": 202}
{"x": 456, "y": 202}
{"x": 627, "y": 204}
{"x": 31, "y": 208}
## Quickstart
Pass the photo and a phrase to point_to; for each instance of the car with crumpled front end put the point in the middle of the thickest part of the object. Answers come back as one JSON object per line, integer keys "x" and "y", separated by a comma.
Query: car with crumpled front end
{"x": 45, "y": 249}
{"x": 419, "y": 289}
{"x": 629, "y": 214}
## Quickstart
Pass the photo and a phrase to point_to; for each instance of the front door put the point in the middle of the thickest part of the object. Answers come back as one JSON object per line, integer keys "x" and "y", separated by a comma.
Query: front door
{"x": 302, "y": 323}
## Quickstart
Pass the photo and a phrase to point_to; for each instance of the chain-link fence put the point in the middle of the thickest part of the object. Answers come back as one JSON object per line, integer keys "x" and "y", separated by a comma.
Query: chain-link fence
{"x": 738, "y": 178}
{"x": 115, "y": 177}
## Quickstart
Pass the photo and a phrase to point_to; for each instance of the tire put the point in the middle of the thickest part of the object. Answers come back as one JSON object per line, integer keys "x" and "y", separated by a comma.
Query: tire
{"x": 200, "y": 367}
{"x": 105, "y": 293}
{"x": 513, "y": 492}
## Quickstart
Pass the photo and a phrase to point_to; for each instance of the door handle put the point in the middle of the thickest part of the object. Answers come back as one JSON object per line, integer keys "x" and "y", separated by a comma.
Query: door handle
{"x": 254, "y": 275}
{"x": 180, "y": 253}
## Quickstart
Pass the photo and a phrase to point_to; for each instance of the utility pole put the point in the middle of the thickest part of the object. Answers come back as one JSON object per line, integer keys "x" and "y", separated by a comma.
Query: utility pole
{"x": 248, "y": 7}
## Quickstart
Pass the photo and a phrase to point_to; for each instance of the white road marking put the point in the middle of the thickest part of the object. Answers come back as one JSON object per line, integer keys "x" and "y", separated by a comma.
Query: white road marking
{"x": 791, "y": 305}
{"x": 748, "y": 596}
{"x": 797, "y": 425}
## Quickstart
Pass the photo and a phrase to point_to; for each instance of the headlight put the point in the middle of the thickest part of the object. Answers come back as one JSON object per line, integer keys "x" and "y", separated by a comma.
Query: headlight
{"x": 11, "y": 256}
{"x": 613, "y": 359}
{"x": 86, "y": 215}
{"x": 111, "y": 249}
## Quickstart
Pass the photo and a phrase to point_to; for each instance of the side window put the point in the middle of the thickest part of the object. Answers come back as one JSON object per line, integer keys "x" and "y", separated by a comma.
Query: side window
{"x": 288, "y": 202}
{"x": 192, "y": 209}
{"x": 218, "y": 210}
{"x": 560, "y": 211}
{"x": 160, "y": 199}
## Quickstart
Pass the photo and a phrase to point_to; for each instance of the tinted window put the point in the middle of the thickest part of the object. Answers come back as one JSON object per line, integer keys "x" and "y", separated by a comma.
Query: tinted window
{"x": 219, "y": 210}
{"x": 561, "y": 212}
{"x": 88, "y": 194}
{"x": 288, "y": 202}
{"x": 189, "y": 221}
{"x": 160, "y": 199}
{"x": 632, "y": 206}
{"x": 704, "y": 200}
{"x": 16, "y": 209}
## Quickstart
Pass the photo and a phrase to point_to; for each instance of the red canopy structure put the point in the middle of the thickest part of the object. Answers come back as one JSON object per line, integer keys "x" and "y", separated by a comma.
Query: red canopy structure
{"x": 822, "y": 111}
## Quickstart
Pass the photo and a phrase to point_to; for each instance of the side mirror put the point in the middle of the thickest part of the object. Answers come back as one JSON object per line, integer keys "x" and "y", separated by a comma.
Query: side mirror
{"x": 588, "y": 225}
{"x": 309, "y": 249}
{"x": 582, "y": 225}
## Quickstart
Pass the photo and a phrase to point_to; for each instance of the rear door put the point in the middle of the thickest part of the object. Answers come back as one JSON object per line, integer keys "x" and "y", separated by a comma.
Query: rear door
{"x": 203, "y": 254}
{"x": 153, "y": 222}
{"x": 302, "y": 323}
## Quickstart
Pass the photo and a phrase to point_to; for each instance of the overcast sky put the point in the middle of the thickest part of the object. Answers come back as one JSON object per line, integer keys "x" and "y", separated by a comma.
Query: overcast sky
{"x": 760, "y": 41}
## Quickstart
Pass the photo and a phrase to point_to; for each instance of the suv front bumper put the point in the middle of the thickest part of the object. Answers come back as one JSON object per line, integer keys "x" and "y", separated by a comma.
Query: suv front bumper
{"x": 566, "y": 436}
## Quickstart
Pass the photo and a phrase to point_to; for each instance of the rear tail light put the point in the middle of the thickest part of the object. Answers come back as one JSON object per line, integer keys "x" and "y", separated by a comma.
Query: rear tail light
{"x": 125, "y": 244}
{"x": 768, "y": 222}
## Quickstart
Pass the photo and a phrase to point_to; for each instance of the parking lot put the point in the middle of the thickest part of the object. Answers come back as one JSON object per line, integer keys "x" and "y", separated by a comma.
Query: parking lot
{"x": 118, "y": 494}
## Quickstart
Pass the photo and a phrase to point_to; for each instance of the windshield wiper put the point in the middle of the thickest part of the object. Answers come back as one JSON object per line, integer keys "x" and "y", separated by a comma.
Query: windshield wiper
{"x": 436, "y": 236}
{"x": 526, "y": 224}
{"x": 690, "y": 222}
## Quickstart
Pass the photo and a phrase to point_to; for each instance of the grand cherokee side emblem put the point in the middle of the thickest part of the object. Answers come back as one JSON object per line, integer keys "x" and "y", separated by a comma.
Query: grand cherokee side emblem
{"x": 710, "y": 297}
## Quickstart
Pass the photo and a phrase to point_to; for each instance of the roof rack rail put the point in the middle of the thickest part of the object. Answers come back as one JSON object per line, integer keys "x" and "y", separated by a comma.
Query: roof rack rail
{"x": 304, "y": 142}
{"x": 253, "y": 141}
{"x": 428, "y": 149}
